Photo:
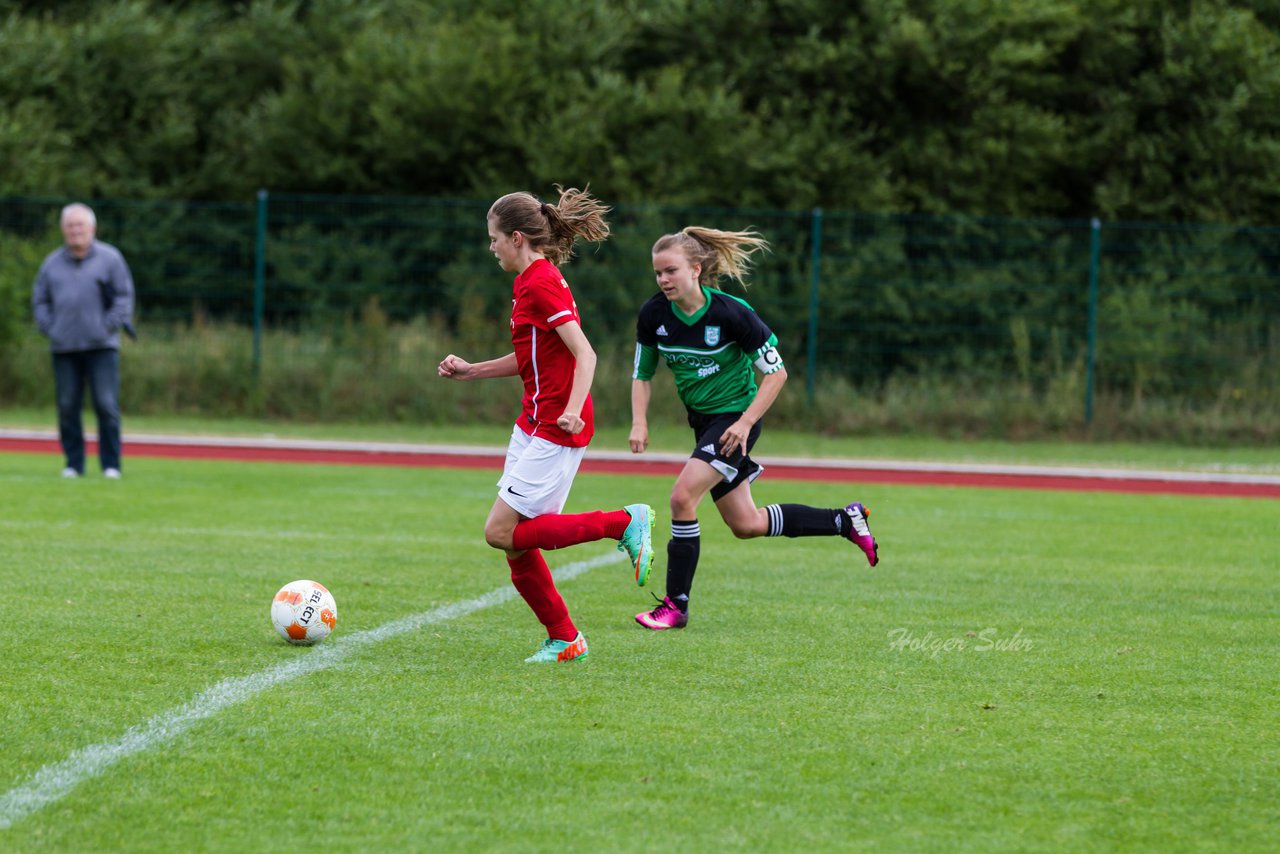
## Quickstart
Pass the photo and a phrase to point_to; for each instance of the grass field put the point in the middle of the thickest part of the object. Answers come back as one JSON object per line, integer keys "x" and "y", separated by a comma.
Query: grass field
{"x": 1023, "y": 671}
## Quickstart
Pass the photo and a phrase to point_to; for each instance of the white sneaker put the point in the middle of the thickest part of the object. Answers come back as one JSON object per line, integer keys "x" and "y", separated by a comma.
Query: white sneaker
{"x": 111, "y": 474}
{"x": 70, "y": 472}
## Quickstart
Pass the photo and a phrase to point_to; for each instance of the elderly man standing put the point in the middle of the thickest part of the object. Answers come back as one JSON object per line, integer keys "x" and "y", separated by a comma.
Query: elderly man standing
{"x": 83, "y": 297}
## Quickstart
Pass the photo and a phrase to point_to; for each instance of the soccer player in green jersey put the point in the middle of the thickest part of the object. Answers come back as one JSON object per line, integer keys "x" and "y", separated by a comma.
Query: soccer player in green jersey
{"x": 715, "y": 344}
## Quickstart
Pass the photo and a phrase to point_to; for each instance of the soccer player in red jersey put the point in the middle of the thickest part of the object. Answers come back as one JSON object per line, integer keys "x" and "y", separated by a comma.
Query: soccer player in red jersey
{"x": 553, "y": 357}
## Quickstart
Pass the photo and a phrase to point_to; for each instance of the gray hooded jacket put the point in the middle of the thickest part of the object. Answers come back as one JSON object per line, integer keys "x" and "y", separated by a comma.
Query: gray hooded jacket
{"x": 83, "y": 303}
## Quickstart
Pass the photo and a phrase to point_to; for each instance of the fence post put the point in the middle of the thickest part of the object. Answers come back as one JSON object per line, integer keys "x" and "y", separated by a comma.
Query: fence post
{"x": 815, "y": 278}
{"x": 259, "y": 280}
{"x": 1095, "y": 255}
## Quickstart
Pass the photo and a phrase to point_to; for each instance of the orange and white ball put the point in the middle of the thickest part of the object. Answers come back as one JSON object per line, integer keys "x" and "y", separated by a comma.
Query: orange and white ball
{"x": 304, "y": 612}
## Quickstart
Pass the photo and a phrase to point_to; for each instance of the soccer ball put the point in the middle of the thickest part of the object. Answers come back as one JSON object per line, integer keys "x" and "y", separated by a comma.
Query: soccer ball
{"x": 304, "y": 612}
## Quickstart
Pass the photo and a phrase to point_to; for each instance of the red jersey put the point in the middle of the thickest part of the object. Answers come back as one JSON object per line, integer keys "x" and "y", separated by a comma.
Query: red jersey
{"x": 541, "y": 301}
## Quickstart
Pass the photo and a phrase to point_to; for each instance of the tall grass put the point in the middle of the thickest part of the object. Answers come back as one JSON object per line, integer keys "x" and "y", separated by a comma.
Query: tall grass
{"x": 369, "y": 370}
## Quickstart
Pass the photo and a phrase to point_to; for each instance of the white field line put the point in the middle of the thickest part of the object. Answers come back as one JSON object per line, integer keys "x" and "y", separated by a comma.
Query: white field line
{"x": 53, "y": 782}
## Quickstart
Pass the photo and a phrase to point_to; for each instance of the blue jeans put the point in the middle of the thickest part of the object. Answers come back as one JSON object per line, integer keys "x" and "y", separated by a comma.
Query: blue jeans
{"x": 101, "y": 370}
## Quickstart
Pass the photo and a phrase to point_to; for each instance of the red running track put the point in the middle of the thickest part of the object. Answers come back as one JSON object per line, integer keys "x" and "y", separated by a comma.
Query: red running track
{"x": 1171, "y": 483}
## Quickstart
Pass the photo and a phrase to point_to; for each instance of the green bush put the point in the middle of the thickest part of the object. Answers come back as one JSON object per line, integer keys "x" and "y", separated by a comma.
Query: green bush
{"x": 19, "y": 261}
{"x": 206, "y": 370}
{"x": 1103, "y": 107}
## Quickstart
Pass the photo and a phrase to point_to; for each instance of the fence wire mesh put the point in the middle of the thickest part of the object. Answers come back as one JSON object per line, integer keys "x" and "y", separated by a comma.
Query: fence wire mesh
{"x": 287, "y": 284}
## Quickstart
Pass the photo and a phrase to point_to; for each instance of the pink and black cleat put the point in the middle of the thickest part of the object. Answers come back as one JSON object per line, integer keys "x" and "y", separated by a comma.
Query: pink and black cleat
{"x": 665, "y": 616}
{"x": 859, "y": 533}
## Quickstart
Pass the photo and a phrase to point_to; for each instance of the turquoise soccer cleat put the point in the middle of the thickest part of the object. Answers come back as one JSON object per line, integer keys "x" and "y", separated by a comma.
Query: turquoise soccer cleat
{"x": 637, "y": 540}
{"x": 553, "y": 650}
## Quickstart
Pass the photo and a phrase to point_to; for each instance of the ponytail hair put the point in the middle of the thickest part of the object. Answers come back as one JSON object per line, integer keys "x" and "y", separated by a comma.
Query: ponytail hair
{"x": 552, "y": 229}
{"x": 721, "y": 253}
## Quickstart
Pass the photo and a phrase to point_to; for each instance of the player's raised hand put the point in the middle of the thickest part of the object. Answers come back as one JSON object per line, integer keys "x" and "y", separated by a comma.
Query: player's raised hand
{"x": 454, "y": 368}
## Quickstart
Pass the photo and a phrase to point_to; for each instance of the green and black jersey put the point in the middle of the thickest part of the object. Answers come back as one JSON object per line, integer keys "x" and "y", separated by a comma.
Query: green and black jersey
{"x": 710, "y": 353}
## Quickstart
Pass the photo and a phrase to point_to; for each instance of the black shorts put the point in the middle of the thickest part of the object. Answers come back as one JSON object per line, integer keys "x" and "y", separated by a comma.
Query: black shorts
{"x": 737, "y": 468}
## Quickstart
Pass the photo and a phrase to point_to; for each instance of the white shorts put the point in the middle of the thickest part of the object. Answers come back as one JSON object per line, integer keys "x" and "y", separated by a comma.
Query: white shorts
{"x": 538, "y": 474}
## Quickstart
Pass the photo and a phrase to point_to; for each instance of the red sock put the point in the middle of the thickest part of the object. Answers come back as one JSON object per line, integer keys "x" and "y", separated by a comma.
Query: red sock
{"x": 557, "y": 530}
{"x": 532, "y": 577}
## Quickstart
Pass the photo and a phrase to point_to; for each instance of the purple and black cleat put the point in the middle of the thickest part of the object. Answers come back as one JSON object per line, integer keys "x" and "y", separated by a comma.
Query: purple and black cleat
{"x": 666, "y": 616}
{"x": 859, "y": 533}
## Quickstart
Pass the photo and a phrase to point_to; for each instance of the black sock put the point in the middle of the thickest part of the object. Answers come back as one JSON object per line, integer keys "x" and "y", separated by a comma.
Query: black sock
{"x": 682, "y": 560}
{"x": 801, "y": 520}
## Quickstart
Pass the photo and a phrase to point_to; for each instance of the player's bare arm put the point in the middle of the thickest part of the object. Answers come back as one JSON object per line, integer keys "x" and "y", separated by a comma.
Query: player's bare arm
{"x": 770, "y": 386}
{"x": 641, "y": 391}
{"x": 584, "y": 373}
{"x": 457, "y": 368}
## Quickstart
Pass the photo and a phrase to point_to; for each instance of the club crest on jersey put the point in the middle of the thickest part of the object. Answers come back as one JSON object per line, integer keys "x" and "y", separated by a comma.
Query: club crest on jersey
{"x": 712, "y": 336}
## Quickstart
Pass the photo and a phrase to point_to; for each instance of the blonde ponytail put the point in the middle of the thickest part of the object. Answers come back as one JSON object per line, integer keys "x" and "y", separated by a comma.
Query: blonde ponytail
{"x": 721, "y": 253}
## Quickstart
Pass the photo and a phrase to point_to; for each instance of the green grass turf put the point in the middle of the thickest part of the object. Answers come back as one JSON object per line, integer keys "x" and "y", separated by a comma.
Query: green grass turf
{"x": 674, "y": 436}
{"x": 1131, "y": 708}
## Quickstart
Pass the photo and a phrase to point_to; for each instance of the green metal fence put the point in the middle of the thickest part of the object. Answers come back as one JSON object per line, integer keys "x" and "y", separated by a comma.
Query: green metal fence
{"x": 1138, "y": 311}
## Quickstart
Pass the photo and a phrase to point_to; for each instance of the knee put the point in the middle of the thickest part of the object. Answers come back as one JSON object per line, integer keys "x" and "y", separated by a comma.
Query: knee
{"x": 747, "y": 529}
{"x": 108, "y": 405}
{"x": 108, "y": 412}
{"x": 65, "y": 394}
{"x": 498, "y": 537}
{"x": 683, "y": 504}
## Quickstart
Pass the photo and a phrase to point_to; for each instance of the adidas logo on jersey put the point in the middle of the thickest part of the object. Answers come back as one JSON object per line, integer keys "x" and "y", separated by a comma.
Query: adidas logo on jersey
{"x": 708, "y": 449}
{"x": 662, "y": 330}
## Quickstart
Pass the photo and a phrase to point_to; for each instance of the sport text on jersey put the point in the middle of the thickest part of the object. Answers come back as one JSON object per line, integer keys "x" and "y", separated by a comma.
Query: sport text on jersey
{"x": 704, "y": 366}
